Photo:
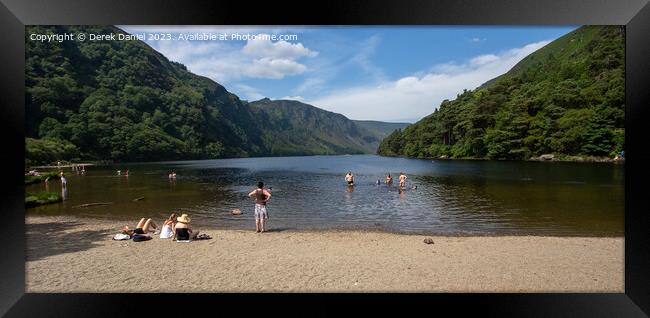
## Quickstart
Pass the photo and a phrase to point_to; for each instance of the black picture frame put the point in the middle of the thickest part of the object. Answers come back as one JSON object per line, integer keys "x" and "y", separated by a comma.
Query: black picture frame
{"x": 635, "y": 15}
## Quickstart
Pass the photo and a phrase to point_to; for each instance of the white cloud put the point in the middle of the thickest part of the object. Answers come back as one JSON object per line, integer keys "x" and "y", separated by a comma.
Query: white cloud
{"x": 263, "y": 47}
{"x": 417, "y": 96}
{"x": 274, "y": 68}
{"x": 476, "y": 40}
{"x": 298, "y": 98}
{"x": 225, "y": 61}
{"x": 483, "y": 59}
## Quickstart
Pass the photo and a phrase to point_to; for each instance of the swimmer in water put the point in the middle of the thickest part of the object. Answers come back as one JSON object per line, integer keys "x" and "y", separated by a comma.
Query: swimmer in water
{"x": 349, "y": 178}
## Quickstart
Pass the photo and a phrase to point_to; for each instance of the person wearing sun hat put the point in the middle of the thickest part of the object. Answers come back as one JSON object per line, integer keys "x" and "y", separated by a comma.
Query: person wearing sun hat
{"x": 182, "y": 231}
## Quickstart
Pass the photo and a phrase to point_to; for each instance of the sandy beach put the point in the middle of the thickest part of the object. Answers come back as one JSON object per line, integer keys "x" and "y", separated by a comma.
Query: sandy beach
{"x": 72, "y": 254}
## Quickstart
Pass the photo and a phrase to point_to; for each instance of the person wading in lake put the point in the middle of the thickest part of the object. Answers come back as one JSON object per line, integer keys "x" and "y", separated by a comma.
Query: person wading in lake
{"x": 402, "y": 179}
{"x": 389, "y": 179}
{"x": 64, "y": 181}
{"x": 261, "y": 196}
{"x": 349, "y": 178}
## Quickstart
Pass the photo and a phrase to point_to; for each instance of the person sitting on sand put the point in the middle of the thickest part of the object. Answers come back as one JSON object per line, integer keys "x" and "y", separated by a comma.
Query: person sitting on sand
{"x": 168, "y": 228}
{"x": 261, "y": 196}
{"x": 389, "y": 179}
{"x": 402, "y": 179}
{"x": 349, "y": 178}
{"x": 182, "y": 230}
{"x": 143, "y": 227}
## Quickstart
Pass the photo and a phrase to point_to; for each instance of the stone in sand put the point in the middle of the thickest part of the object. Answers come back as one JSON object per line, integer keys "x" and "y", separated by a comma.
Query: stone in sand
{"x": 428, "y": 240}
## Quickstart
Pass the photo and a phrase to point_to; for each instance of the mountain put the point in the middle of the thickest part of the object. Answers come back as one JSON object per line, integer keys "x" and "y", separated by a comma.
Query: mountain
{"x": 380, "y": 128}
{"x": 566, "y": 98}
{"x": 294, "y": 128}
{"x": 123, "y": 101}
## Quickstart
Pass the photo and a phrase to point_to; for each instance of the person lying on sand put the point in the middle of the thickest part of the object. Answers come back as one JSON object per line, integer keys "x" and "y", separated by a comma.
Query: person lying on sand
{"x": 182, "y": 231}
{"x": 143, "y": 227}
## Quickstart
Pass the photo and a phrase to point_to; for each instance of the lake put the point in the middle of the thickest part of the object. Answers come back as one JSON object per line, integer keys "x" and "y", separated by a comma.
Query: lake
{"x": 446, "y": 197}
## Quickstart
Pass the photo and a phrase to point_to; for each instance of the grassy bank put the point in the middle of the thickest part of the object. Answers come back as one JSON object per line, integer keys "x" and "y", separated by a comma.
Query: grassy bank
{"x": 40, "y": 198}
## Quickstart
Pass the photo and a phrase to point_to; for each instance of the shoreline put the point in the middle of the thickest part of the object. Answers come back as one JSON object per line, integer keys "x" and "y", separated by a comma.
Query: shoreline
{"x": 559, "y": 158}
{"x": 576, "y": 159}
{"x": 77, "y": 254}
{"x": 120, "y": 220}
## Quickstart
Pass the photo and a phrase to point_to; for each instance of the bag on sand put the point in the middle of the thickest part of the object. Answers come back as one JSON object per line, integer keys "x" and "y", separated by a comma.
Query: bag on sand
{"x": 121, "y": 237}
{"x": 203, "y": 236}
{"x": 141, "y": 238}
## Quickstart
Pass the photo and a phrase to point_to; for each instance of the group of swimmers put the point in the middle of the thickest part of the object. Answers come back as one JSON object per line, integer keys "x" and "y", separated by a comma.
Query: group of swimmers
{"x": 349, "y": 178}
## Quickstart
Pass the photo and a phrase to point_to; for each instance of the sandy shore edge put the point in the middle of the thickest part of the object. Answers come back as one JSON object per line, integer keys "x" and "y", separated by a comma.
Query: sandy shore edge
{"x": 74, "y": 254}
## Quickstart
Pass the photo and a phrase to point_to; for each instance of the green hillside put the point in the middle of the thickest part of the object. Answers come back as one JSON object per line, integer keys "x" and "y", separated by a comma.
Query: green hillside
{"x": 123, "y": 101}
{"x": 294, "y": 128}
{"x": 380, "y": 128}
{"x": 567, "y": 98}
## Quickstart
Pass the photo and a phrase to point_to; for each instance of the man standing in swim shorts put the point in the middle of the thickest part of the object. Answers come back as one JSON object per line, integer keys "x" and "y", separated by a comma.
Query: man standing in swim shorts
{"x": 402, "y": 179}
{"x": 261, "y": 196}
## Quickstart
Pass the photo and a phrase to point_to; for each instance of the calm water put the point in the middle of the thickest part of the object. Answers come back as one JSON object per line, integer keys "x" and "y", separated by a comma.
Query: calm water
{"x": 452, "y": 197}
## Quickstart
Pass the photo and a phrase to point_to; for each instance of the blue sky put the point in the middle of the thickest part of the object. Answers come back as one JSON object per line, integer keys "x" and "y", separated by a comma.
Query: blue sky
{"x": 396, "y": 74}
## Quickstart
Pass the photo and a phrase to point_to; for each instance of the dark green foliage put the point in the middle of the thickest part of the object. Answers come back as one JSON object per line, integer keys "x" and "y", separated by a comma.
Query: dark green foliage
{"x": 123, "y": 101}
{"x": 392, "y": 144}
{"x": 40, "y": 198}
{"x": 48, "y": 150}
{"x": 567, "y": 98}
